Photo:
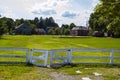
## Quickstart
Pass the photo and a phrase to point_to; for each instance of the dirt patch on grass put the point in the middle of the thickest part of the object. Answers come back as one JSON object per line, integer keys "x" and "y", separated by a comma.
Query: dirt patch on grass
{"x": 62, "y": 76}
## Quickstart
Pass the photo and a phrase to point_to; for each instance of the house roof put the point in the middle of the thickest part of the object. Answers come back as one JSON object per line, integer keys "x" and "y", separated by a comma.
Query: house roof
{"x": 80, "y": 28}
{"x": 22, "y": 26}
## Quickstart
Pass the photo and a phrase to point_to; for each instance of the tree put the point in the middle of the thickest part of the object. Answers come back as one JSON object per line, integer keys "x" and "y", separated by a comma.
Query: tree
{"x": 57, "y": 31}
{"x": 19, "y": 21}
{"x": 51, "y": 32}
{"x": 33, "y": 26}
{"x": 105, "y": 15}
{"x": 72, "y": 25}
{"x": 3, "y": 28}
{"x": 27, "y": 22}
{"x": 115, "y": 27}
{"x": 51, "y": 23}
{"x": 47, "y": 21}
{"x": 10, "y": 24}
{"x": 66, "y": 32}
{"x": 42, "y": 23}
{"x": 51, "y": 20}
{"x": 65, "y": 29}
{"x": 7, "y": 25}
{"x": 36, "y": 20}
{"x": 66, "y": 26}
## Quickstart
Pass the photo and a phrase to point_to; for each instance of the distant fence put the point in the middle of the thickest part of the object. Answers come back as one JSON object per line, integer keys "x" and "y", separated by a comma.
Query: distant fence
{"x": 41, "y": 57}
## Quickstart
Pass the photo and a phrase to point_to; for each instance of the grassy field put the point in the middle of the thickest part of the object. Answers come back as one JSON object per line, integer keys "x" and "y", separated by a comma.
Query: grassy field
{"x": 53, "y": 42}
{"x": 24, "y": 72}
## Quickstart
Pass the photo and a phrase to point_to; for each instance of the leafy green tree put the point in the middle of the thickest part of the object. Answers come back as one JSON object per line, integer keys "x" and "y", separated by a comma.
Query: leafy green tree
{"x": 51, "y": 32}
{"x": 10, "y": 24}
{"x": 47, "y": 21}
{"x": 72, "y": 25}
{"x": 27, "y": 22}
{"x": 36, "y": 20}
{"x": 42, "y": 23}
{"x": 7, "y": 24}
{"x": 50, "y": 22}
{"x": 3, "y": 28}
{"x": 115, "y": 27}
{"x": 105, "y": 15}
{"x": 57, "y": 31}
{"x": 66, "y": 26}
{"x": 66, "y": 32}
{"x": 19, "y": 21}
{"x": 65, "y": 29}
{"x": 33, "y": 26}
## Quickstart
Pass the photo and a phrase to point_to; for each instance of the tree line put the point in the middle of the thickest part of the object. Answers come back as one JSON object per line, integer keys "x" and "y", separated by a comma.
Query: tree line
{"x": 63, "y": 30}
{"x": 8, "y": 25}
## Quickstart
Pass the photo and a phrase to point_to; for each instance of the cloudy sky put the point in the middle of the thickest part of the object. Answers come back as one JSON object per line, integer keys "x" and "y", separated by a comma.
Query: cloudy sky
{"x": 63, "y": 11}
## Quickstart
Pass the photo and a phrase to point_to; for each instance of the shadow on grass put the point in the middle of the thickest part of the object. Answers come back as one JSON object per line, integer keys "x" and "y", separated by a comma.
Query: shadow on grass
{"x": 57, "y": 66}
{"x": 2, "y": 38}
{"x": 69, "y": 37}
{"x": 16, "y": 64}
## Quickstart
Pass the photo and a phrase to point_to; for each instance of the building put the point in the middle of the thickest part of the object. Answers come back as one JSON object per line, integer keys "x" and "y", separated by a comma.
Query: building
{"x": 23, "y": 29}
{"x": 39, "y": 31}
{"x": 79, "y": 31}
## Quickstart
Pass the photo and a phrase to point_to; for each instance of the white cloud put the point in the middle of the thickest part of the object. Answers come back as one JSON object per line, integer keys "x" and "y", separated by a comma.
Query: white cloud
{"x": 44, "y": 12}
{"x": 5, "y": 11}
{"x": 58, "y": 5}
{"x": 68, "y": 14}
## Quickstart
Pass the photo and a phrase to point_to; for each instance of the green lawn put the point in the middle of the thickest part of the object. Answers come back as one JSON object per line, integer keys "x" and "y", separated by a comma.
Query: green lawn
{"x": 15, "y": 72}
{"x": 53, "y": 42}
